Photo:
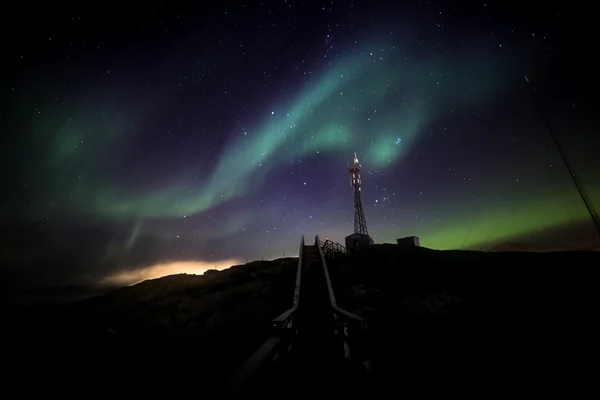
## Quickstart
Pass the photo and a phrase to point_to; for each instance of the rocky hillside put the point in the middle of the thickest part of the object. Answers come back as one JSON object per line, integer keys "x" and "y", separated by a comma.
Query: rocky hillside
{"x": 537, "y": 248}
{"x": 177, "y": 327}
{"x": 439, "y": 321}
{"x": 472, "y": 321}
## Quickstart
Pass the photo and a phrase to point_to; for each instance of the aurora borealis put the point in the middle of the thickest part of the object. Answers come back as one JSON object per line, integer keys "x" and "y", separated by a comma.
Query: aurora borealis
{"x": 224, "y": 132}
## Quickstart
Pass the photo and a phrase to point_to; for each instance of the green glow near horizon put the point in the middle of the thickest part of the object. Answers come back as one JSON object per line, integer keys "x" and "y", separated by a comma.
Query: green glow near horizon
{"x": 481, "y": 230}
{"x": 375, "y": 102}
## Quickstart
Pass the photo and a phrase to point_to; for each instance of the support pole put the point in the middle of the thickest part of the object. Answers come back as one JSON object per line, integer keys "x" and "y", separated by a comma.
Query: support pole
{"x": 580, "y": 189}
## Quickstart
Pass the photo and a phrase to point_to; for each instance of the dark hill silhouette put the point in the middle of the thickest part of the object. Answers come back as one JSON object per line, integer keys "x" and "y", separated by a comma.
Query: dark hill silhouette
{"x": 472, "y": 321}
{"x": 538, "y": 248}
{"x": 439, "y": 320}
{"x": 45, "y": 295}
{"x": 191, "y": 329}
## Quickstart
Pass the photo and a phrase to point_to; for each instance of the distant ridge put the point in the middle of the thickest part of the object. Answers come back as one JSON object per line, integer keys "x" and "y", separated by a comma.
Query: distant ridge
{"x": 537, "y": 248}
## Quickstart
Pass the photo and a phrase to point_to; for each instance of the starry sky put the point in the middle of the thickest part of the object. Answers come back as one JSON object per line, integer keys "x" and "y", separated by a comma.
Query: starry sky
{"x": 220, "y": 132}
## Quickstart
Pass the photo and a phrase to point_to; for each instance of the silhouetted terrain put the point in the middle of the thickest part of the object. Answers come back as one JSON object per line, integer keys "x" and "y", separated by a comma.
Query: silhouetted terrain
{"x": 537, "y": 248}
{"x": 47, "y": 295}
{"x": 481, "y": 322}
{"x": 188, "y": 329}
{"x": 476, "y": 322}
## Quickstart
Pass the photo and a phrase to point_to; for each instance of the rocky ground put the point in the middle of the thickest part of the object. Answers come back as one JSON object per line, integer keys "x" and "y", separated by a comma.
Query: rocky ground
{"x": 181, "y": 328}
{"x": 440, "y": 321}
{"x": 477, "y": 322}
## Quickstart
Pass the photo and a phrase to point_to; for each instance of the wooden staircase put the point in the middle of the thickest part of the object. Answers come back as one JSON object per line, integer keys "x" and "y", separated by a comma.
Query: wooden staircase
{"x": 306, "y": 357}
{"x": 315, "y": 317}
{"x": 317, "y": 356}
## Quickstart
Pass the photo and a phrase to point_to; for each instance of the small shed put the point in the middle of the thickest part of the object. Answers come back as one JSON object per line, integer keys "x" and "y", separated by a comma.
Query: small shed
{"x": 408, "y": 242}
{"x": 358, "y": 241}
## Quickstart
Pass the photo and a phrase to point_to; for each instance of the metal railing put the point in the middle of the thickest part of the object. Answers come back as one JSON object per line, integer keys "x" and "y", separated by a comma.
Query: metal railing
{"x": 331, "y": 249}
{"x": 351, "y": 327}
{"x": 275, "y": 347}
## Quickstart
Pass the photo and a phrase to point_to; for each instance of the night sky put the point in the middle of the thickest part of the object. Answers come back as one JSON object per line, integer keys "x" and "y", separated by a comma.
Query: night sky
{"x": 218, "y": 132}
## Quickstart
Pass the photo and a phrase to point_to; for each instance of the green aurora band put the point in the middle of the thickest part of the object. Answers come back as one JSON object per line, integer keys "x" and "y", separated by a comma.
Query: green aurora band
{"x": 366, "y": 101}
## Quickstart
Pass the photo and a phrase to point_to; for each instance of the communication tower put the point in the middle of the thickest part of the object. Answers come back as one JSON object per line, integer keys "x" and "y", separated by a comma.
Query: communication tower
{"x": 360, "y": 238}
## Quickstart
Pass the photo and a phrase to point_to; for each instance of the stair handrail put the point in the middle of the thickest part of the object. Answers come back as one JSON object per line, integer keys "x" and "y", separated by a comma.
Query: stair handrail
{"x": 332, "y": 250}
{"x": 352, "y": 327}
{"x": 283, "y": 317}
{"x": 331, "y": 247}
{"x": 332, "y": 299}
{"x": 273, "y": 346}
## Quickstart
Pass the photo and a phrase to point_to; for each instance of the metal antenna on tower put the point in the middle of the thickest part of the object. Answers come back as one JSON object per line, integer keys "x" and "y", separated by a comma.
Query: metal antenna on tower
{"x": 580, "y": 189}
{"x": 360, "y": 224}
{"x": 360, "y": 239}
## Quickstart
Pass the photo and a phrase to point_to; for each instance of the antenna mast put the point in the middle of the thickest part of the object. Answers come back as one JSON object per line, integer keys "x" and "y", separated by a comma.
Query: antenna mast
{"x": 580, "y": 189}
{"x": 360, "y": 224}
